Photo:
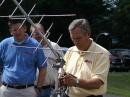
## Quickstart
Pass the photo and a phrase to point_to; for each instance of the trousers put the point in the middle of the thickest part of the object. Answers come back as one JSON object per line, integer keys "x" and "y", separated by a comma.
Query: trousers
{"x": 11, "y": 92}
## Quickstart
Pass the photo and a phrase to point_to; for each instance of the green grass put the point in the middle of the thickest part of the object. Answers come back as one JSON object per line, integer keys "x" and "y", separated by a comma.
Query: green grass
{"x": 119, "y": 83}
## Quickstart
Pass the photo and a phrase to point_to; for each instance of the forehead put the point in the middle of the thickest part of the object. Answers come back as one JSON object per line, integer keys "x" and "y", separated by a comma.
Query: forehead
{"x": 39, "y": 27}
{"x": 76, "y": 31}
{"x": 15, "y": 25}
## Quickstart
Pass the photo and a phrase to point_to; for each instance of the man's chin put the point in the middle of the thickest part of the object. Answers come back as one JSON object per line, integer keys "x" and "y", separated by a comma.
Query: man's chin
{"x": 79, "y": 48}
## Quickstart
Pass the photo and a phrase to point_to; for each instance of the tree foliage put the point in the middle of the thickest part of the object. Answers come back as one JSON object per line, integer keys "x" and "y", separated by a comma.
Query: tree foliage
{"x": 102, "y": 14}
{"x": 121, "y": 20}
{"x": 93, "y": 10}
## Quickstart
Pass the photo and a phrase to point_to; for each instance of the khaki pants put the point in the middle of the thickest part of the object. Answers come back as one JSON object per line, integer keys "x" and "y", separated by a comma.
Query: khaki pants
{"x": 11, "y": 92}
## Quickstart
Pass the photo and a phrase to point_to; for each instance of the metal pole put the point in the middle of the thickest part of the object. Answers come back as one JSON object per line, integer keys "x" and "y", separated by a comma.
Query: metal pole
{"x": 22, "y": 16}
{"x": 2, "y": 3}
{"x": 16, "y": 8}
{"x": 31, "y": 22}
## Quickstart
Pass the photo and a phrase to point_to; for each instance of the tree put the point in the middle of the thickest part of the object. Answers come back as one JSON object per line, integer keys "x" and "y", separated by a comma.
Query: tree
{"x": 94, "y": 10}
{"x": 121, "y": 20}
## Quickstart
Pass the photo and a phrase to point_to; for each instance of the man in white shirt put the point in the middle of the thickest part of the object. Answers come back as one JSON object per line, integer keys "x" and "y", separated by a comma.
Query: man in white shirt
{"x": 87, "y": 63}
{"x": 50, "y": 79}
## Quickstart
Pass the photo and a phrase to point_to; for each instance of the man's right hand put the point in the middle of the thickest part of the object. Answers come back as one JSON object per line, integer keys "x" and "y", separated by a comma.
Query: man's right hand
{"x": 68, "y": 80}
{"x": 38, "y": 90}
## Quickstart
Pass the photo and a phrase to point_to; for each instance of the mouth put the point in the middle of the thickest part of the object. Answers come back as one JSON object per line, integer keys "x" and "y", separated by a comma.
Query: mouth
{"x": 16, "y": 34}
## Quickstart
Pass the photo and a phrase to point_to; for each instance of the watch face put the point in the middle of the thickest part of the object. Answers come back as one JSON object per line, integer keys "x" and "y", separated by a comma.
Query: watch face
{"x": 77, "y": 81}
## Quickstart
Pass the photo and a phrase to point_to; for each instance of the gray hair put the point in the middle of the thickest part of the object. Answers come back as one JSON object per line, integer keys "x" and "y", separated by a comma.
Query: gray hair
{"x": 38, "y": 26}
{"x": 82, "y": 23}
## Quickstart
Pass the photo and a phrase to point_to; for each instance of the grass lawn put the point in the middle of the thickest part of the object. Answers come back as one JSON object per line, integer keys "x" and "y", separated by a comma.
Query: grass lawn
{"x": 119, "y": 83}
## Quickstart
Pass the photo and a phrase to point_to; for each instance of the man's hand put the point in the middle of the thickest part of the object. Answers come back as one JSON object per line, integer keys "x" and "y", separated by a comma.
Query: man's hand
{"x": 68, "y": 80}
{"x": 38, "y": 90}
{"x": 0, "y": 84}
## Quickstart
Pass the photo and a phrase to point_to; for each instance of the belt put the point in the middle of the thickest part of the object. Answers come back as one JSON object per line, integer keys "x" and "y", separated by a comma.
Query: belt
{"x": 90, "y": 96}
{"x": 17, "y": 86}
{"x": 48, "y": 86}
{"x": 95, "y": 96}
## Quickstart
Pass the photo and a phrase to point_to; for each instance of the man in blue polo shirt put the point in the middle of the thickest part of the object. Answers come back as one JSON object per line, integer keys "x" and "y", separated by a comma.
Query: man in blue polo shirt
{"x": 20, "y": 60}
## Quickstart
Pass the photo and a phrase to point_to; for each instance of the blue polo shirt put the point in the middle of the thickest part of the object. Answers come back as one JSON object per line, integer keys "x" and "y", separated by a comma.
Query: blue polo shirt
{"x": 20, "y": 62}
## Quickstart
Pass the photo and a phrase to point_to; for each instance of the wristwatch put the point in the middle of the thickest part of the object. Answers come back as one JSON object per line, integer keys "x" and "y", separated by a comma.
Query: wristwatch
{"x": 77, "y": 82}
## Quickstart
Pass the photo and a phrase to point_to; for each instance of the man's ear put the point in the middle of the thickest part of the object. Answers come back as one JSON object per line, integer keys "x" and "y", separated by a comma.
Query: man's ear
{"x": 25, "y": 28}
{"x": 11, "y": 33}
